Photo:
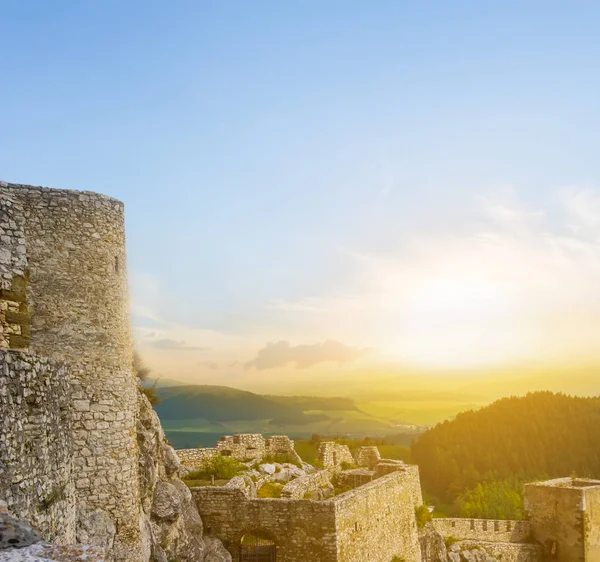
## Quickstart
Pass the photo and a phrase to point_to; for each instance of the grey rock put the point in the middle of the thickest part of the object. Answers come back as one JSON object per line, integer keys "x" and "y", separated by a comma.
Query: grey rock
{"x": 96, "y": 528}
{"x": 167, "y": 502}
{"x": 215, "y": 551}
{"x": 267, "y": 468}
{"x": 53, "y": 553}
{"x": 15, "y": 533}
{"x": 171, "y": 460}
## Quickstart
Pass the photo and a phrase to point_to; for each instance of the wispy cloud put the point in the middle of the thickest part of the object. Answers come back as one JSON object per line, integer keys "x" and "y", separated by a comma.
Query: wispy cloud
{"x": 181, "y": 345}
{"x": 282, "y": 354}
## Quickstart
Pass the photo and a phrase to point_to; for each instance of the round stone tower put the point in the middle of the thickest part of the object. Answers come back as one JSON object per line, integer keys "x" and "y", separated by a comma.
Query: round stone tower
{"x": 74, "y": 309}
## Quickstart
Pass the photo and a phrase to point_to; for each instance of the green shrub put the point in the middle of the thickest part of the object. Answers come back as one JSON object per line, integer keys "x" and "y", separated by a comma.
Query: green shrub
{"x": 270, "y": 490}
{"x": 223, "y": 468}
{"x": 449, "y": 541}
{"x": 422, "y": 516}
{"x": 348, "y": 465}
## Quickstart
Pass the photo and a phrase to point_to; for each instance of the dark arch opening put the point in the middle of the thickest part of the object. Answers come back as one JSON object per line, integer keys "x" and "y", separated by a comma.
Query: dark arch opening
{"x": 255, "y": 547}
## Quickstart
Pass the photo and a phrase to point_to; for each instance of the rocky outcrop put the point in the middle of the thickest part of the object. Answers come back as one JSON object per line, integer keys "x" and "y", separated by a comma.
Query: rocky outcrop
{"x": 170, "y": 522}
{"x": 20, "y": 543}
{"x": 433, "y": 549}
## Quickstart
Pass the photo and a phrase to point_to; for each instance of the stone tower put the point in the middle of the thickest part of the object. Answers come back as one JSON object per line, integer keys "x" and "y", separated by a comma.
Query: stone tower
{"x": 565, "y": 518}
{"x": 64, "y": 321}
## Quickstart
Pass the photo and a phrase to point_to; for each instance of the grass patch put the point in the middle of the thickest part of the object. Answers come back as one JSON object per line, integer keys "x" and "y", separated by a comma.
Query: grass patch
{"x": 222, "y": 468}
{"x": 270, "y": 490}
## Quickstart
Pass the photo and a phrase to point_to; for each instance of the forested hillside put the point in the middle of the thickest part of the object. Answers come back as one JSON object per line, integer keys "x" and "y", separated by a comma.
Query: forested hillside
{"x": 541, "y": 435}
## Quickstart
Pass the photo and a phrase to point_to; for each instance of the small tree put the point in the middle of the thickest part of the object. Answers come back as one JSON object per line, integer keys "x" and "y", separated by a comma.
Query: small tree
{"x": 142, "y": 373}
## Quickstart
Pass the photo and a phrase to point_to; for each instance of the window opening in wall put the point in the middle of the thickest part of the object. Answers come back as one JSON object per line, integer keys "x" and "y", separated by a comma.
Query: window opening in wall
{"x": 255, "y": 548}
{"x": 116, "y": 264}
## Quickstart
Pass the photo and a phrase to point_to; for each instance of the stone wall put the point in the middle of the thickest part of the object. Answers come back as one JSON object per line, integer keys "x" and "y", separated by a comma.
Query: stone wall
{"x": 506, "y": 552}
{"x": 298, "y": 488}
{"x": 373, "y": 522}
{"x": 14, "y": 320}
{"x": 333, "y": 455}
{"x": 241, "y": 446}
{"x": 483, "y": 529}
{"x": 377, "y": 522}
{"x": 565, "y": 518}
{"x": 72, "y": 281}
{"x": 193, "y": 458}
{"x": 301, "y": 529}
{"x": 36, "y": 444}
{"x": 368, "y": 456}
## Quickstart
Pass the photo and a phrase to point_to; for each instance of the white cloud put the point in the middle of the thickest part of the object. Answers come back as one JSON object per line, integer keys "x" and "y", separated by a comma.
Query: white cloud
{"x": 282, "y": 354}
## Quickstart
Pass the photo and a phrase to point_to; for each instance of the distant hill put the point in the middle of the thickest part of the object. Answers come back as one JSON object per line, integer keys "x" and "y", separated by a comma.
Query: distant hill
{"x": 540, "y": 435}
{"x": 193, "y": 415}
{"x": 222, "y": 404}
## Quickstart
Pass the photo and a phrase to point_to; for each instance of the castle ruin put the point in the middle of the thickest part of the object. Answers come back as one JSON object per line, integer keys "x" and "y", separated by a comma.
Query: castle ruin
{"x": 84, "y": 460}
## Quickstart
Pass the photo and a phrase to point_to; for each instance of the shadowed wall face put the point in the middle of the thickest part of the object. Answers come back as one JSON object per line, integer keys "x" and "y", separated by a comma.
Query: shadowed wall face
{"x": 565, "y": 518}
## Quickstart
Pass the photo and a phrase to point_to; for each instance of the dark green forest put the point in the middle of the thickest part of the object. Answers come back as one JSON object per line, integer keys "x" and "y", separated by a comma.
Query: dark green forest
{"x": 477, "y": 463}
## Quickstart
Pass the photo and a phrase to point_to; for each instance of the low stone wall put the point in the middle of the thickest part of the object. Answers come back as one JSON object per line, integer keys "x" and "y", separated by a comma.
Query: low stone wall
{"x": 368, "y": 456}
{"x": 507, "y": 552}
{"x": 372, "y": 523}
{"x": 296, "y": 489}
{"x": 36, "y": 444}
{"x": 376, "y": 522}
{"x": 193, "y": 458}
{"x": 333, "y": 455}
{"x": 241, "y": 446}
{"x": 483, "y": 529}
{"x": 301, "y": 529}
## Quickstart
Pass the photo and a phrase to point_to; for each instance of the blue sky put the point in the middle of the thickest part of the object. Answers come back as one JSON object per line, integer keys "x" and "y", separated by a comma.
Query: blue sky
{"x": 295, "y": 171}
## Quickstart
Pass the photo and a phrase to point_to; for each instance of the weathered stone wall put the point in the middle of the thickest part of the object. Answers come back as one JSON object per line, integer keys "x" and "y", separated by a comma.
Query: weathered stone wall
{"x": 368, "y": 456}
{"x": 489, "y": 530}
{"x": 564, "y": 515}
{"x": 14, "y": 319}
{"x": 298, "y": 488}
{"x": 333, "y": 455}
{"x": 36, "y": 444}
{"x": 76, "y": 291}
{"x": 193, "y": 458}
{"x": 377, "y": 522}
{"x": 373, "y": 522}
{"x": 241, "y": 446}
{"x": 301, "y": 529}
{"x": 592, "y": 523}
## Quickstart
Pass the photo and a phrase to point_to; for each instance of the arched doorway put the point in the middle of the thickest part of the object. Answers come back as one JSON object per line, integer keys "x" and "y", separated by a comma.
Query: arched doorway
{"x": 256, "y": 548}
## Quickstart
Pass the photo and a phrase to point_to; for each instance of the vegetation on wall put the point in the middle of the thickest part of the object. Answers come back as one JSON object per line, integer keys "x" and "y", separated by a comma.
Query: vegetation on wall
{"x": 142, "y": 372}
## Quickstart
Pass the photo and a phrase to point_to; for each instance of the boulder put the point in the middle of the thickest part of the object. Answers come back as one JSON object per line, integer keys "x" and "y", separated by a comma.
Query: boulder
{"x": 167, "y": 502}
{"x": 268, "y": 468}
{"x": 215, "y": 551}
{"x": 15, "y": 533}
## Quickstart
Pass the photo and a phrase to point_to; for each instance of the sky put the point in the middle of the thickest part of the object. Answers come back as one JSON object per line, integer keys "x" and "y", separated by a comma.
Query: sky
{"x": 324, "y": 192}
